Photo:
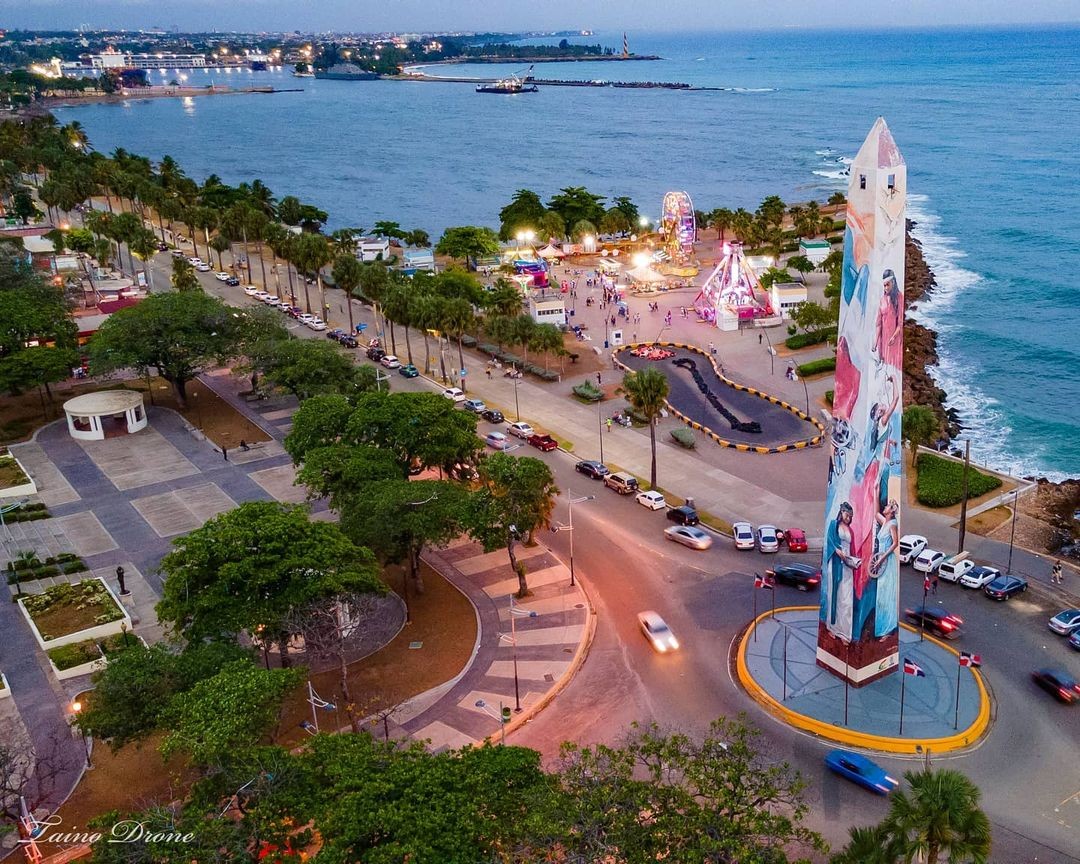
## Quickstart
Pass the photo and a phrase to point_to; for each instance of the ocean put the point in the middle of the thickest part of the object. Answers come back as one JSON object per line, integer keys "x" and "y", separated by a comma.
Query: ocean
{"x": 987, "y": 120}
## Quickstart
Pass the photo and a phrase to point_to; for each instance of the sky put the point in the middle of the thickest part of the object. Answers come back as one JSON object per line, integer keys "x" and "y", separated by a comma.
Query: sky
{"x": 632, "y": 15}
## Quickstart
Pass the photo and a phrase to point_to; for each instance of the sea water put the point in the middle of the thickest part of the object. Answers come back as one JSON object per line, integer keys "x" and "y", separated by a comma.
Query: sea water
{"x": 988, "y": 121}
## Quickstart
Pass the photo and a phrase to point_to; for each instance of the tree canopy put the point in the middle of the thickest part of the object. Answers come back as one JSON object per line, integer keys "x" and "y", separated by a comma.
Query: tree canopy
{"x": 468, "y": 242}
{"x": 576, "y": 203}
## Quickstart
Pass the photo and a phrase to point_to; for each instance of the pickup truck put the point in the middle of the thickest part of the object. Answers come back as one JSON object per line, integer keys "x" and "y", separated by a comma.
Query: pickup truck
{"x": 543, "y": 442}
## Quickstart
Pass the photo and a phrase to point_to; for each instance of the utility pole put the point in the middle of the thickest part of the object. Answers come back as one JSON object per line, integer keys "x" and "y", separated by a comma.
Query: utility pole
{"x": 964, "y": 500}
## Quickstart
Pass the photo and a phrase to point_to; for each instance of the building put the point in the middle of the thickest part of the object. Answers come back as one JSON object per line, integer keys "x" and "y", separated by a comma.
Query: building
{"x": 111, "y": 59}
{"x": 418, "y": 259}
{"x": 815, "y": 251}
{"x": 786, "y": 296}
{"x": 858, "y": 621}
{"x": 373, "y": 248}
{"x": 548, "y": 311}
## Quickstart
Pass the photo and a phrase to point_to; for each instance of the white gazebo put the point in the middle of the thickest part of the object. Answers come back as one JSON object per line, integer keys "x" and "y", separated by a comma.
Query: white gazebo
{"x": 95, "y": 416}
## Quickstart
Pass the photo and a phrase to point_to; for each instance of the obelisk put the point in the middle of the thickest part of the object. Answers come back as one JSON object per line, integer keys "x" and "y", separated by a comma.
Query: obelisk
{"x": 858, "y": 629}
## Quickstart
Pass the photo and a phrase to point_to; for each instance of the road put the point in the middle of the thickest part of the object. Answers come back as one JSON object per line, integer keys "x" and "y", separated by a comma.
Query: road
{"x": 1026, "y": 767}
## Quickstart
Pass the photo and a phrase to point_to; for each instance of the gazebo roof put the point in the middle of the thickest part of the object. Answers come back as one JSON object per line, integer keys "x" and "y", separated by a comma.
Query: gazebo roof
{"x": 103, "y": 402}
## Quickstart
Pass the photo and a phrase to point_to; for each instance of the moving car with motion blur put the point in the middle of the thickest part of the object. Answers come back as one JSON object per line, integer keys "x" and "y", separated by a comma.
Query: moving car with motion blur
{"x": 657, "y": 632}
{"x": 805, "y": 577}
{"x": 859, "y": 769}
{"x": 689, "y": 535}
{"x": 937, "y": 621}
{"x": 1058, "y": 683}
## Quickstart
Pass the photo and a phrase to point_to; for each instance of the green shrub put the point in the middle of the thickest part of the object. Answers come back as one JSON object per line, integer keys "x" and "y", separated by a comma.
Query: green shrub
{"x": 67, "y": 656}
{"x": 815, "y": 337}
{"x": 468, "y": 341}
{"x": 940, "y": 482}
{"x": 73, "y": 567}
{"x": 817, "y": 367}
{"x": 684, "y": 438}
{"x": 829, "y": 397}
{"x": 117, "y": 643}
{"x": 588, "y": 392}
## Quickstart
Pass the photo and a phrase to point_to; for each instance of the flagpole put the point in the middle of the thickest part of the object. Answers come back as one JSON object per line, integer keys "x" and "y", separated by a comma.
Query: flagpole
{"x": 956, "y": 716}
{"x": 903, "y": 681}
{"x": 785, "y": 663}
{"x": 754, "y": 625}
{"x": 847, "y": 673}
{"x": 922, "y": 618}
{"x": 772, "y": 588}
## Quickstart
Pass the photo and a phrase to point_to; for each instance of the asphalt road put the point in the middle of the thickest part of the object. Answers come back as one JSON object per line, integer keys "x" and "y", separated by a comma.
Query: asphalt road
{"x": 1027, "y": 767}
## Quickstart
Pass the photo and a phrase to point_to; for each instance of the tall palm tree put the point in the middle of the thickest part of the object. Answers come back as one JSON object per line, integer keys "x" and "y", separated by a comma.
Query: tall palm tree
{"x": 220, "y": 243}
{"x": 867, "y": 846}
{"x": 313, "y": 253}
{"x": 742, "y": 223}
{"x": 721, "y": 220}
{"x": 374, "y": 281}
{"x": 277, "y": 238}
{"x": 647, "y": 391}
{"x": 346, "y": 274}
{"x": 422, "y": 312}
{"x": 397, "y": 307}
{"x": 457, "y": 318}
{"x": 143, "y": 246}
{"x": 505, "y": 300}
{"x": 938, "y": 819}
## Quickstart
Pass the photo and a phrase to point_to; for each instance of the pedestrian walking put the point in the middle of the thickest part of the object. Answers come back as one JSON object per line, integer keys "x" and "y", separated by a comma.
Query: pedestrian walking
{"x": 758, "y": 338}
{"x": 934, "y": 584}
{"x": 608, "y": 424}
{"x": 1056, "y": 573}
{"x": 488, "y": 372}
{"x": 712, "y": 348}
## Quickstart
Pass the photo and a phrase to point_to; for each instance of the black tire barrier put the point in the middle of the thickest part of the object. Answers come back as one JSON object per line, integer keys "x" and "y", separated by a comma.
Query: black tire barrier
{"x": 753, "y": 427}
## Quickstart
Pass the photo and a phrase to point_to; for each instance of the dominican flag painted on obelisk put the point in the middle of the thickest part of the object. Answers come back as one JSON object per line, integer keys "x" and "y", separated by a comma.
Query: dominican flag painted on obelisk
{"x": 858, "y": 626}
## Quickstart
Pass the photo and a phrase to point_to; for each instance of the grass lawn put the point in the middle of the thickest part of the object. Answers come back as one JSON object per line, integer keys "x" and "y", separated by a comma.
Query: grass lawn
{"x": 65, "y": 608}
{"x": 10, "y": 473}
{"x": 990, "y": 519}
{"x": 940, "y": 482}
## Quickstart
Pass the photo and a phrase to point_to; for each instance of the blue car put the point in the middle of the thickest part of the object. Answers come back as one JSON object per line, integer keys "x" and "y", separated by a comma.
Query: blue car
{"x": 861, "y": 770}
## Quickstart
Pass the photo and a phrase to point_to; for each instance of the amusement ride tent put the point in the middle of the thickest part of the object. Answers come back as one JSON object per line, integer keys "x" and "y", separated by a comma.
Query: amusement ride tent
{"x": 732, "y": 288}
{"x": 550, "y": 251}
{"x": 645, "y": 274}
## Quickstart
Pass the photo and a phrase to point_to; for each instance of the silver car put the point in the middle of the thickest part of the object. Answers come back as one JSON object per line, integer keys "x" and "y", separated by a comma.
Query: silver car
{"x": 689, "y": 535}
{"x": 657, "y": 632}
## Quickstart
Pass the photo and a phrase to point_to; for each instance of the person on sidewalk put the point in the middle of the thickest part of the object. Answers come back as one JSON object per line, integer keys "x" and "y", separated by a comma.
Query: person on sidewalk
{"x": 934, "y": 584}
{"x": 1056, "y": 573}
{"x": 608, "y": 424}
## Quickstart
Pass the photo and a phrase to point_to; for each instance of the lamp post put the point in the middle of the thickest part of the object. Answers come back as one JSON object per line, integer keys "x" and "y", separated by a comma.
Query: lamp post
{"x": 806, "y": 393}
{"x": 517, "y": 408}
{"x": 512, "y": 639}
{"x": 600, "y": 429}
{"x": 502, "y": 717}
{"x": 76, "y": 708}
{"x": 570, "y": 502}
{"x": 1012, "y": 533}
{"x": 772, "y": 356}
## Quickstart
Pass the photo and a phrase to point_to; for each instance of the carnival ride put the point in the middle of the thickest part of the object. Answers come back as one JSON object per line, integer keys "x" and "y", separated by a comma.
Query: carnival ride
{"x": 678, "y": 227}
{"x": 732, "y": 290}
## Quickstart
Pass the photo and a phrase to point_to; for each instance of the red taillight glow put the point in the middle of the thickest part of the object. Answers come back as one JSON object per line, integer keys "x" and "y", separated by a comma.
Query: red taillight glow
{"x": 947, "y": 625}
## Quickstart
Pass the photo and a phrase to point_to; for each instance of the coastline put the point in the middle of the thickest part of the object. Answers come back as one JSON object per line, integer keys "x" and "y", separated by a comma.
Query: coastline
{"x": 586, "y": 58}
{"x": 46, "y": 103}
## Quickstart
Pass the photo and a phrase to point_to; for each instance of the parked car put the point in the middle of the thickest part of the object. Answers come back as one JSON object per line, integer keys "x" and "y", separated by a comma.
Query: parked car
{"x": 194, "y": 261}
{"x": 177, "y": 253}
{"x": 233, "y": 281}
{"x": 317, "y": 324}
{"x": 520, "y": 430}
{"x": 652, "y": 499}
{"x": 452, "y": 393}
{"x": 596, "y": 470}
{"x": 221, "y": 277}
{"x": 928, "y": 560}
{"x": 271, "y": 300}
{"x": 937, "y": 621}
{"x": 805, "y": 577}
{"x": 389, "y": 361}
{"x": 621, "y": 482}
{"x": 689, "y": 535}
{"x": 476, "y": 406}
{"x": 335, "y": 334}
{"x": 1074, "y": 640}
{"x": 493, "y": 415}
{"x": 1059, "y": 683}
{"x": 253, "y": 290}
{"x": 258, "y": 294}
{"x": 954, "y": 569}
{"x": 1005, "y": 587}
{"x": 203, "y": 267}
{"x": 657, "y": 632}
{"x": 767, "y": 540}
{"x": 496, "y": 440}
{"x": 684, "y": 515}
{"x": 543, "y": 443}
{"x": 859, "y": 769}
{"x": 348, "y": 341}
{"x": 744, "y": 535}
{"x": 305, "y": 318}
{"x": 408, "y": 371}
{"x": 979, "y": 576}
{"x": 1065, "y": 623}
{"x": 910, "y": 547}
{"x": 375, "y": 353}
{"x": 795, "y": 538}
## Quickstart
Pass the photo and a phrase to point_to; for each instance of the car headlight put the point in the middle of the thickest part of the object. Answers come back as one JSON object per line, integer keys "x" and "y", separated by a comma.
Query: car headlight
{"x": 674, "y": 642}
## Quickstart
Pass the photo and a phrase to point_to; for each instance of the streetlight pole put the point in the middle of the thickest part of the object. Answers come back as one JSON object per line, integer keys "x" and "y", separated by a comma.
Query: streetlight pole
{"x": 517, "y": 407}
{"x": 1012, "y": 533}
{"x": 806, "y": 393}
{"x": 600, "y": 430}
{"x": 514, "y": 612}
{"x": 772, "y": 357}
{"x": 76, "y": 708}
{"x": 570, "y": 502}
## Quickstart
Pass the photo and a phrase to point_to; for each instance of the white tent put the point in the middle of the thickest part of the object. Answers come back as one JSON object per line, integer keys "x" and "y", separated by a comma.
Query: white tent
{"x": 550, "y": 251}
{"x": 645, "y": 274}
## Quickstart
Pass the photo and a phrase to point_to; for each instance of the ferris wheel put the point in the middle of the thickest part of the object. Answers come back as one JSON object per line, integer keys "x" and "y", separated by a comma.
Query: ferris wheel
{"x": 678, "y": 226}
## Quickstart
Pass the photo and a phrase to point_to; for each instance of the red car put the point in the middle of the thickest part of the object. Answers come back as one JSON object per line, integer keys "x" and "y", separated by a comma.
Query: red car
{"x": 795, "y": 539}
{"x": 543, "y": 442}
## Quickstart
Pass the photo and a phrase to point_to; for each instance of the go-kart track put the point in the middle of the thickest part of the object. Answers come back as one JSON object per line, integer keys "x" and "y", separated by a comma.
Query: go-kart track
{"x": 727, "y": 410}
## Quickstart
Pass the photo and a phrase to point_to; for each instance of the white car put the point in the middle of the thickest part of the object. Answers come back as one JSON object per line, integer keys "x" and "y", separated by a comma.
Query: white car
{"x": 317, "y": 324}
{"x": 261, "y": 295}
{"x": 252, "y": 290}
{"x": 910, "y": 547}
{"x": 194, "y": 262}
{"x": 1065, "y": 623}
{"x": 203, "y": 267}
{"x": 657, "y": 632}
{"x": 271, "y": 300}
{"x": 390, "y": 361}
{"x": 953, "y": 570}
{"x": 496, "y": 440}
{"x": 652, "y": 500}
{"x": 928, "y": 561}
{"x": 520, "y": 430}
{"x": 767, "y": 539}
{"x": 305, "y": 317}
{"x": 744, "y": 535}
{"x": 176, "y": 253}
{"x": 454, "y": 394}
{"x": 688, "y": 535}
{"x": 221, "y": 277}
{"x": 979, "y": 576}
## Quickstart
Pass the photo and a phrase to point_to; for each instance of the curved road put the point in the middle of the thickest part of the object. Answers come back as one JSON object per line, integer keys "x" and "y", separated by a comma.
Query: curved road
{"x": 1025, "y": 767}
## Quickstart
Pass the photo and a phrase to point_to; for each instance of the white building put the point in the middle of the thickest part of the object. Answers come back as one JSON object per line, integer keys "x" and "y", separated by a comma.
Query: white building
{"x": 815, "y": 251}
{"x": 373, "y": 248}
{"x": 418, "y": 259}
{"x": 113, "y": 59}
{"x": 786, "y": 296}
{"x": 548, "y": 311}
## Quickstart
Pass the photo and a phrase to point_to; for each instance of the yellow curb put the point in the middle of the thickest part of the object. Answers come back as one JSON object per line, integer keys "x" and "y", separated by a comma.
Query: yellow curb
{"x": 864, "y": 740}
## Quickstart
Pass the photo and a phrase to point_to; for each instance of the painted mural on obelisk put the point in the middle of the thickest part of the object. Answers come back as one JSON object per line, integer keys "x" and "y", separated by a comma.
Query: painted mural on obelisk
{"x": 858, "y": 630}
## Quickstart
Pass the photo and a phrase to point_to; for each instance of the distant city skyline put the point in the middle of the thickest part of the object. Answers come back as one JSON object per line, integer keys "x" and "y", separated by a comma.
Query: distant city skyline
{"x": 423, "y": 15}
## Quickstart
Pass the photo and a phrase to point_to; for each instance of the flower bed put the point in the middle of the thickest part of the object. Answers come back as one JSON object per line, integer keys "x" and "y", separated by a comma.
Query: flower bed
{"x": 14, "y": 481}
{"x": 90, "y": 655}
{"x": 65, "y": 614}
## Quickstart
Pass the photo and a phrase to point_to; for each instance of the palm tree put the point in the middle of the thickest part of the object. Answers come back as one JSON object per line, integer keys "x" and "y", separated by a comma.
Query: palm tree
{"x": 374, "y": 279}
{"x": 867, "y": 846}
{"x": 422, "y": 310}
{"x": 938, "y": 819}
{"x": 346, "y": 274}
{"x": 397, "y": 307}
{"x": 742, "y": 223}
{"x": 312, "y": 254}
{"x": 457, "y": 318}
{"x": 547, "y": 339}
{"x": 647, "y": 391}
{"x": 504, "y": 300}
{"x": 814, "y": 218}
{"x": 220, "y": 243}
{"x": 144, "y": 246}
{"x": 721, "y": 220}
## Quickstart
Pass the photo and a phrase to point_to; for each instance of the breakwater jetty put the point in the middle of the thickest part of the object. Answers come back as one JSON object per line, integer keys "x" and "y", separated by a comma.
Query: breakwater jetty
{"x": 558, "y": 82}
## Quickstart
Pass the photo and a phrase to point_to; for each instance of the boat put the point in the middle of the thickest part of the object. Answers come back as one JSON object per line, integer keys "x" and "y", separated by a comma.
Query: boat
{"x": 513, "y": 84}
{"x": 346, "y": 72}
